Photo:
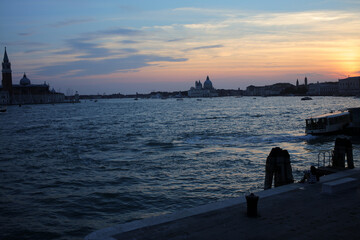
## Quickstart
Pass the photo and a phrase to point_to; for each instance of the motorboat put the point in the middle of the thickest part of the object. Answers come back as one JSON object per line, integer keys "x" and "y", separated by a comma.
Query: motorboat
{"x": 306, "y": 98}
{"x": 332, "y": 122}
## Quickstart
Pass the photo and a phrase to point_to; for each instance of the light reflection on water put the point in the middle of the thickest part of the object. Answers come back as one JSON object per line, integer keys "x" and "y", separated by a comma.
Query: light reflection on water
{"x": 69, "y": 169}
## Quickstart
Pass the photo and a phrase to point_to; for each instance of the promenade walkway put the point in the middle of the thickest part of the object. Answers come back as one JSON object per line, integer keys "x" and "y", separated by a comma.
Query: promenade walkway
{"x": 295, "y": 211}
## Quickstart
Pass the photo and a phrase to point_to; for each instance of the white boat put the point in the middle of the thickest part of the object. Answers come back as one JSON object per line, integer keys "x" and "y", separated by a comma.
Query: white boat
{"x": 328, "y": 123}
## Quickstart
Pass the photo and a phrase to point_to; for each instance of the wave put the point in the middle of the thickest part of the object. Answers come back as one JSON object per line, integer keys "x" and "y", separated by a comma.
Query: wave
{"x": 287, "y": 138}
{"x": 154, "y": 143}
{"x": 32, "y": 128}
{"x": 108, "y": 195}
{"x": 236, "y": 140}
{"x": 218, "y": 117}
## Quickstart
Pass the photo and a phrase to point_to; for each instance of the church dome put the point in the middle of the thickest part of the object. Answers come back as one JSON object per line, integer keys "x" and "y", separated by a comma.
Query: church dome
{"x": 25, "y": 81}
{"x": 208, "y": 83}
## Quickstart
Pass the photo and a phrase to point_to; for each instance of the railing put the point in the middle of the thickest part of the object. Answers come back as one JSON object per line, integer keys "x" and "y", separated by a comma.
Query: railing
{"x": 325, "y": 154}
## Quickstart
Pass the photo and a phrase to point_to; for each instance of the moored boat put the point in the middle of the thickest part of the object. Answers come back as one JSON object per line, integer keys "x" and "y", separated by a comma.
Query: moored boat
{"x": 328, "y": 123}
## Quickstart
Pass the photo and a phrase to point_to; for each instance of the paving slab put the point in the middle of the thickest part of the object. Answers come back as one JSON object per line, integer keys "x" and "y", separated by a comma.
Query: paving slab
{"x": 294, "y": 211}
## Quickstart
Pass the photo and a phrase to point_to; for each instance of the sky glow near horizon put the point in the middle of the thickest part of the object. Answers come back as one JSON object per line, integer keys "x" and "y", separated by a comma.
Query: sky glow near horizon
{"x": 143, "y": 46}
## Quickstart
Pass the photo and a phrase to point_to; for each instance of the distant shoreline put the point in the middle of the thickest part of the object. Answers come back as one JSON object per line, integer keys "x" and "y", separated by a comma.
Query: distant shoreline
{"x": 225, "y": 93}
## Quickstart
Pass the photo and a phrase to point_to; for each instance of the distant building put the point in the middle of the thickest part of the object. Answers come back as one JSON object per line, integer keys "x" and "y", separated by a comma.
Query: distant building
{"x": 349, "y": 86}
{"x": 271, "y": 90}
{"x": 6, "y": 76}
{"x": 323, "y": 89}
{"x": 203, "y": 91}
{"x": 25, "y": 92}
{"x": 4, "y": 97}
{"x": 255, "y": 91}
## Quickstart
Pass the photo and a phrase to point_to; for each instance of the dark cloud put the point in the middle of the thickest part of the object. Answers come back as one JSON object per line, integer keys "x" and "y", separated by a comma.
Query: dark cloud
{"x": 34, "y": 51}
{"x": 118, "y": 59}
{"x": 175, "y": 40}
{"x": 71, "y": 22}
{"x": 25, "y": 43}
{"x": 128, "y": 41}
{"x": 25, "y": 34}
{"x": 88, "y": 50}
{"x": 106, "y": 66}
{"x": 205, "y": 47}
{"x": 114, "y": 32}
{"x": 119, "y": 31}
{"x": 91, "y": 50}
{"x": 129, "y": 50}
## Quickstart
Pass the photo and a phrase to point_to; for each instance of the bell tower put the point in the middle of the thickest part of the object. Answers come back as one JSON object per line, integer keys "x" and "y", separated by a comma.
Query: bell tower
{"x": 6, "y": 74}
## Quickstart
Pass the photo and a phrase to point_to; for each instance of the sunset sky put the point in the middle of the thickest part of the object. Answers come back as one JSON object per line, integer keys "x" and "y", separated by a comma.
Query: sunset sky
{"x": 114, "y": 46}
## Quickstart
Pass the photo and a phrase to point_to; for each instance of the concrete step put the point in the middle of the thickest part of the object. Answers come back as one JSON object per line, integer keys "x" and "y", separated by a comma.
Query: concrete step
{"x": 339, "y": 185}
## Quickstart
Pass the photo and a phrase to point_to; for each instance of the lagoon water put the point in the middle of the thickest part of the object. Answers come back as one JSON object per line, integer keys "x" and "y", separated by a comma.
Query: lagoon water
{"x": 69, "y": 169}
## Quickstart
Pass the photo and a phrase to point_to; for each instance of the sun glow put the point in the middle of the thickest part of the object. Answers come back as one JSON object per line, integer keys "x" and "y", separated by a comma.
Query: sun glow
{"x": 350, "y": 61}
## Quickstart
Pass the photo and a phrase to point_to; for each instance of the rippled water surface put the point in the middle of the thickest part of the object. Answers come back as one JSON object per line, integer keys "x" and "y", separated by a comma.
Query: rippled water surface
{"x": 69, "y": 169}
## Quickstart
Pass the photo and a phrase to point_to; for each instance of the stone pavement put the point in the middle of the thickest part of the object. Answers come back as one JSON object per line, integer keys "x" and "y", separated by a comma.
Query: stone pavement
{"x": 295, "y": 211}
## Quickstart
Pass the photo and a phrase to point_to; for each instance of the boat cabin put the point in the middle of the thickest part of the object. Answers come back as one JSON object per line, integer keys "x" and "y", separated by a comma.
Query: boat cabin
{"x": 328, "y": 123}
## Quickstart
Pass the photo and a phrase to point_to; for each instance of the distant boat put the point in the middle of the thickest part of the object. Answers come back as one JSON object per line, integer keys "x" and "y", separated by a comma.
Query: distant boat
{"x": 306, "y": 98}
{"x": 179, "y": 96}
{"x": 3, "y": 109}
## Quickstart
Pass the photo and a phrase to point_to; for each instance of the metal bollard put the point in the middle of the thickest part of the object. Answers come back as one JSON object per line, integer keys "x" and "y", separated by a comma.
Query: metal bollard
{"x": 252, "y": 201}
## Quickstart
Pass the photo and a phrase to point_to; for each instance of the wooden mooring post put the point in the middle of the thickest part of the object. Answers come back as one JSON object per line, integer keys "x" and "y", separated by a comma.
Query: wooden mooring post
{"x": 343, "y": 147}
{"x": 278, "y": 166}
